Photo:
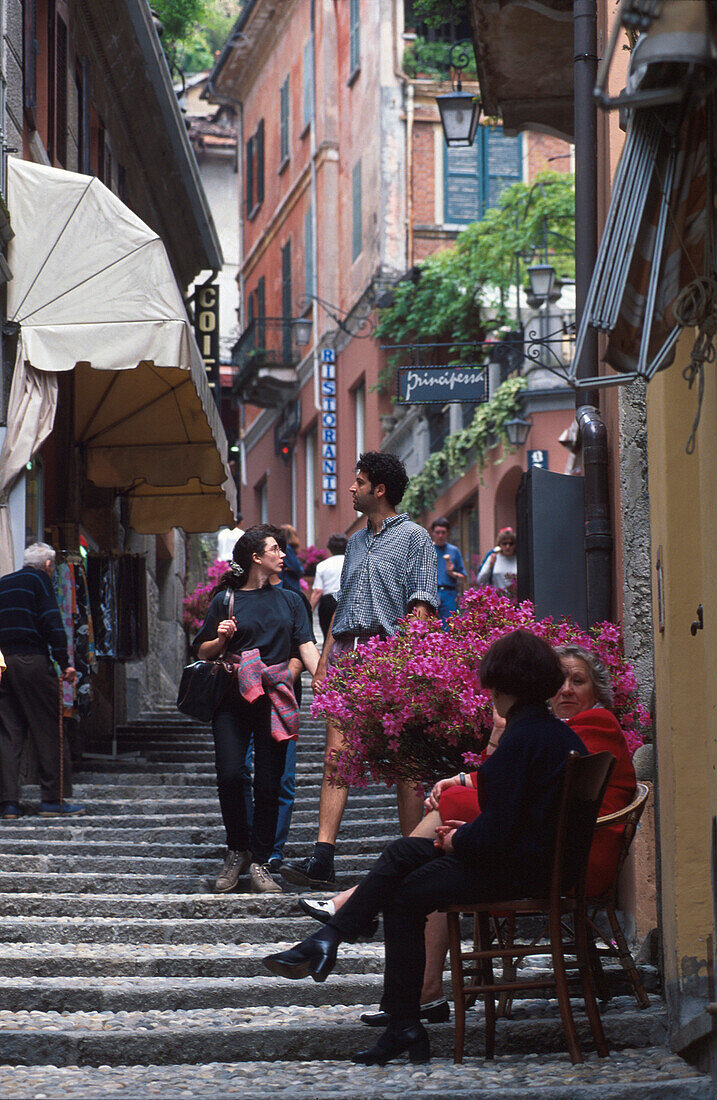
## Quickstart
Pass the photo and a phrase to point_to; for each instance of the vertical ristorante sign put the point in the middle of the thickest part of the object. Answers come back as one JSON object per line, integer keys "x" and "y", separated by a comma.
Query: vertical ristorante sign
{"x": 329, "y": 441}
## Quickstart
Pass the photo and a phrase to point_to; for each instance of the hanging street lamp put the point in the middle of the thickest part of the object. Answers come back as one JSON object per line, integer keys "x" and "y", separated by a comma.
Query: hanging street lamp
{"x": 459, "y": 110}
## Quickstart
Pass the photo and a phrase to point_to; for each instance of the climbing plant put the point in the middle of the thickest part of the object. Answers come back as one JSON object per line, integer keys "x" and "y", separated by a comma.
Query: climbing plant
{"x": 467, "y": 447}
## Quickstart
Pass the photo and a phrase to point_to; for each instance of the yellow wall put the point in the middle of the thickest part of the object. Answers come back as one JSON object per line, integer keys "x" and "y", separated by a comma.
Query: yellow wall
{"x": 684, "y": 531}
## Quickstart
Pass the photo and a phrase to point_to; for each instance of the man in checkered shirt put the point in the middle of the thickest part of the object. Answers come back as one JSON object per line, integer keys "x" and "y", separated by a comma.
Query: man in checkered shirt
{"x": 389, "y": 570}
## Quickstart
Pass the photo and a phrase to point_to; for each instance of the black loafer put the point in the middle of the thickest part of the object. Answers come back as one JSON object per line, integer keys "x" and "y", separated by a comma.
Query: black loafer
{"x": 435, "y": 1012}
{"x": 309, "y": 873}
{"x": 312, "y": 958}
{"x": 413, "y": 1040}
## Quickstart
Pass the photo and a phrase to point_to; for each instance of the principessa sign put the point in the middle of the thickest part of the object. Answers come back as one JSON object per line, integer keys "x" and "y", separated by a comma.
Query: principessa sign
{"x": 441, "y": 385}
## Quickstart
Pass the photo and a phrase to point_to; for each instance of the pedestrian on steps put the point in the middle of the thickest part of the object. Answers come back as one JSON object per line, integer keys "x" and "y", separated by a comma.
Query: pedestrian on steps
{"x": 270, "y": 620}
{"x": 31, "y": 637}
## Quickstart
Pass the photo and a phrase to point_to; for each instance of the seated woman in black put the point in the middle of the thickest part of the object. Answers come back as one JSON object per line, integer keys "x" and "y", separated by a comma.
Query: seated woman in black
{"x": 274, "y": 621}
{"x": 505, "y": 852}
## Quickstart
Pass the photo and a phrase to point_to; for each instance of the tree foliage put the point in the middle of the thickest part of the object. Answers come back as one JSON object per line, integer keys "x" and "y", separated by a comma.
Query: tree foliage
{"x": 436, "y": 13}
{"x": 194, "y": 30}
{"x": 463, "y": 289}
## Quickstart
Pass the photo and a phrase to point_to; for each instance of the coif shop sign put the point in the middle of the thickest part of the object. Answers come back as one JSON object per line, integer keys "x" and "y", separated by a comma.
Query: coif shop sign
{"x": 441, "y": 385}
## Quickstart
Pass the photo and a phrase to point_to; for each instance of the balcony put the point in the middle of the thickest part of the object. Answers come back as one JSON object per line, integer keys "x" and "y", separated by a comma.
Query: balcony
{"x": 266, "y": 361}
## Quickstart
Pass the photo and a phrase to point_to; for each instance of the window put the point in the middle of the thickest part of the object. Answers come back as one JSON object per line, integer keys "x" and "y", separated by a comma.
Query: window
{"x": 286, "y": 297}
{"x": 284, "y": 123}
{"x": 254, "y": 184}
{"x": 309, "y": 252}
{"x": 354, "y": 38}
{"x": 308, "y": 82}
{"x": 360, "y": 418}
{"x": 261, "y": 312}
{"x": 61, "y": 93}
{"x": 474, "y": 178}
{"x": 30, "y": 52}
{"x": 357, "y": 227}
{"x": 82, "y": 83}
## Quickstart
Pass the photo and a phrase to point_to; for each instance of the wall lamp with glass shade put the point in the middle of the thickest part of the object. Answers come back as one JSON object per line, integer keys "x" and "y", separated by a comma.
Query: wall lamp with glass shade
{"x": 542, "y": 281}
{"x": 518, "y": 430}
{"x": 459, "y": 110}
{"x": 302, "y": 330}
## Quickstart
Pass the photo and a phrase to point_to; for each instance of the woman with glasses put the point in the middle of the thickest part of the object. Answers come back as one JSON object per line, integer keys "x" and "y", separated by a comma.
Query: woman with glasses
{"x": 500, "y": 567}
{"x": 248, "y": 614}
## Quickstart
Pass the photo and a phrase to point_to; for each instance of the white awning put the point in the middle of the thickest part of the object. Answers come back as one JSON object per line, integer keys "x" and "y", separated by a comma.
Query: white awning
{"x": 93, "y": 292}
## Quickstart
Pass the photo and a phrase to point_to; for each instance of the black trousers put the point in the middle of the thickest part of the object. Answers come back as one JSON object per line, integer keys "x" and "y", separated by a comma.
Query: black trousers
{"x": 30, "y": 706}
{"x": 410, "y": 879}
{"x": 327, "y": 606}
{"x": 233, "y": 725}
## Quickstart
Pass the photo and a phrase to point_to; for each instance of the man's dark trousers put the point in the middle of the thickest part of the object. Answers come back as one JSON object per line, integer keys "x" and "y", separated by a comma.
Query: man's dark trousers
{"x": 30, "y": 704}
{"x": 410, "y": 879}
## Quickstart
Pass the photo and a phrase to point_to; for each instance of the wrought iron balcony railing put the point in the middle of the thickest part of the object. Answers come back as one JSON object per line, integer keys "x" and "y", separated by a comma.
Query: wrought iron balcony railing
{"x": 266, "y": 361}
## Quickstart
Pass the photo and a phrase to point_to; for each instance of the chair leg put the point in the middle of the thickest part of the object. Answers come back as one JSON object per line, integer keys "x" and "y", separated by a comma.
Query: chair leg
{"x": 561, "y": 985}
{"x": 510, "y": 969}
{"x": 485, "y": 939}
{"x": 459, "y": 1000}
{"x": 599, "y": 979}
{"x": 586, "y": 978}
{"x": 628, "y": 963}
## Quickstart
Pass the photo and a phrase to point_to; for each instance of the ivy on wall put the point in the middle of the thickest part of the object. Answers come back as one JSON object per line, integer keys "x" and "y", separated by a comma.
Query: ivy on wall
{"x": 465, "y": 448}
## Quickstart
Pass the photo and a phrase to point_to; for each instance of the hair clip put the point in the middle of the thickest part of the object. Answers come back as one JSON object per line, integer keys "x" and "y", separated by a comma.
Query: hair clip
{"x": 236, "y": 569}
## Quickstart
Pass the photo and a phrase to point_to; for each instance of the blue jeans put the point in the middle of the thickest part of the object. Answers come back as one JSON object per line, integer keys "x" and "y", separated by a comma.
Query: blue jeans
{"x": 287, "y": 789}
{"x": 447, "y": 603}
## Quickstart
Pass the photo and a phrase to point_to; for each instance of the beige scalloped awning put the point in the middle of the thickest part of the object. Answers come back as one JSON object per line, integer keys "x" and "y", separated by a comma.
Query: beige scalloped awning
{"x": 93, "y": 292}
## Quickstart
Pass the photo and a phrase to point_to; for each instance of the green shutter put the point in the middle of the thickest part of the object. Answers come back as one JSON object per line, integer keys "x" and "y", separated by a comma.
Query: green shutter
{"x": 309, "y": 252}
{"x": 249, "y": 185}
{"x": 286, "y": 296}
{"x": 357, "y": 226}
{"x": 260, "y": 162}
{"x": 474, "y": 178}
{"x": 355, "y": 36}
{"x": 308, "y": 81}
{"x": 284, "y": 121}
{"x": 503, "y": 163}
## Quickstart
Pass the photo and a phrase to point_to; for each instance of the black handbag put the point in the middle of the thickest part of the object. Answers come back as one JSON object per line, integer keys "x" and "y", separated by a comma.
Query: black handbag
{"x": 204, "y": 683}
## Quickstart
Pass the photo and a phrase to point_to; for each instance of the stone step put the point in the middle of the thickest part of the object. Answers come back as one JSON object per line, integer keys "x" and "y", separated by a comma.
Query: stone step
{"x": 122, "y": 882}
{"x": 185, "y": 829}
{"x": 117, "y": 861}
{"x": 161, "y": 906}
{"x": 647, "y": 1074}
{"x": 203, "y": 849}
{"x": 174, "y": 799}
{"x": 296, "y": 1032}
{"x": 109, "y": 930}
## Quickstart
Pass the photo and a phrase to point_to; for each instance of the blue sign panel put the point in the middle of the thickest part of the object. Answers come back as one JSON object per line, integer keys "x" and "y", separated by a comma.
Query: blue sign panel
{"x": 441, "y": 385}
{"x": 538, "y": 458}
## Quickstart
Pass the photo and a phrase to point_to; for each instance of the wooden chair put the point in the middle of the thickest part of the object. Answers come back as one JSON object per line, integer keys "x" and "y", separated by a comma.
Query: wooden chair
{"x": 617, "y": 947}
{"x": 584, "y": 783}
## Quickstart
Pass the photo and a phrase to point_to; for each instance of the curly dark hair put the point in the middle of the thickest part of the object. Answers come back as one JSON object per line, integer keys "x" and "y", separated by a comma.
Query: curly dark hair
{"x": 523, "y": 665}
{"x": 337, "y": 544}
{"x": 252, "y": 542}
{"x": 383, "y": 468}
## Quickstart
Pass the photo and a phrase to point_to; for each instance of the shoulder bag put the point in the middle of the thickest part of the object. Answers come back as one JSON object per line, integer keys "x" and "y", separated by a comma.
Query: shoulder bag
{"x": 204, "y": 683}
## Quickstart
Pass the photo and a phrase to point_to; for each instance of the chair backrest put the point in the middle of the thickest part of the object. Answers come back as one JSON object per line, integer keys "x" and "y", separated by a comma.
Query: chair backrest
{"x": 584, "y": 784}
{"x": 629, "y": 817}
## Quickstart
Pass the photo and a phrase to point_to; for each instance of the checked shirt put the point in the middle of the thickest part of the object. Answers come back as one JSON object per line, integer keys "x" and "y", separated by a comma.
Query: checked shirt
{"x": 382, "y": 575}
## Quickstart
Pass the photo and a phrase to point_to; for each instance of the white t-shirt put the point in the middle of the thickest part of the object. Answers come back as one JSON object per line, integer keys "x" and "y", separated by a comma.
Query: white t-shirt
{"x": 328, "y": 575}
{"x": 504, "y": 571}
{"x": 226, "y": 540}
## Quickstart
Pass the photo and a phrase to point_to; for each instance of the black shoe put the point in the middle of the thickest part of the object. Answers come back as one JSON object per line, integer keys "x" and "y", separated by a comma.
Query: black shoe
{"x": 314, "y": 957}
{"x": 413, "y": 1040}
{"x": 435, "y": 1012}
{"x": 274, "y": 865}
{"x": 310, "y": 872}
{"x": 316, "y": 910}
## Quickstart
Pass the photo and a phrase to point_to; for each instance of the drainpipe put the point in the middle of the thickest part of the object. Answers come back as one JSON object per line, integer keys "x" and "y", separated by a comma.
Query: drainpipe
{"x": 314, "y": 290}
{"x": 598, "y": 533}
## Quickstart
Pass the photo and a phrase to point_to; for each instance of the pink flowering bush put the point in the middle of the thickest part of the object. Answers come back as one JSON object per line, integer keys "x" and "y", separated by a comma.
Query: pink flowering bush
{"x": 310, "y": 556}
{"x": 411, "y": 707}
{"x": 196, "y": 603}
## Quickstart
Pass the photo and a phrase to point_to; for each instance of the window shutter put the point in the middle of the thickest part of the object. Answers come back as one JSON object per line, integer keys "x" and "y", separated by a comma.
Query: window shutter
{"x": 30, "y": 60}
{"x": 51, "y": 78}
{"x": 260, "y": 162}
{"x": 357, "y": 235}
{"x": 462, "y": 183}
{"x": 503, "y": 164}
{"x": 284, "y": 121}
{"x": 309, "y": 252}
{"x": 249, "y": 176}
{"x": 61, "y": 95}
{"x": 308, "y": 73}
{"x": 354, "y": 36}
{"x": 286, "y": 296}
{"x": 261, "y": 310}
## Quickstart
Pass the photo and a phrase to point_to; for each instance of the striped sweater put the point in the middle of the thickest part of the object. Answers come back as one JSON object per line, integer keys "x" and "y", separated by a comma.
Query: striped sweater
{"x": 30, "y": 620}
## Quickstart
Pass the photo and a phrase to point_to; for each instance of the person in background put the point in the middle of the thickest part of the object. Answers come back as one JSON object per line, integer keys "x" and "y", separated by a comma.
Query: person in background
{"x": 293, "y": 570}
{"x": 500, "y": 566}
{"x": 31, "y": 637}
{"x": 327, "y": 582}
{"x": 451, "y": 569}
{"x": 227, "y": 540}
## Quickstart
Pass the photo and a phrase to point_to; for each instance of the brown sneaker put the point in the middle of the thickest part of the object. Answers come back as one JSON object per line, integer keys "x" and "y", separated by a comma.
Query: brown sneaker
{"x": 261, "y": 881}
{"x": 236, "y": 864}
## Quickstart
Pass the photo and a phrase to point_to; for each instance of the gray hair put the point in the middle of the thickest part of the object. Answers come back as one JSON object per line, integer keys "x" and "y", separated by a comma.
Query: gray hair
{"x": 37, "y": 554}
{"x": 599, "y": 675}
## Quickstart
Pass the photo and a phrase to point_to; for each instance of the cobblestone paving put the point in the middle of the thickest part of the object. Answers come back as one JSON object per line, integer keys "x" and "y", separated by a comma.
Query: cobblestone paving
{"x": 123, "y": 975}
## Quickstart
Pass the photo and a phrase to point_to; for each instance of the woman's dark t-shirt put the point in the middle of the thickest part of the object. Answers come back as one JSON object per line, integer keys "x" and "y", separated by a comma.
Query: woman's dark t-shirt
{"x": 269, "y": 619}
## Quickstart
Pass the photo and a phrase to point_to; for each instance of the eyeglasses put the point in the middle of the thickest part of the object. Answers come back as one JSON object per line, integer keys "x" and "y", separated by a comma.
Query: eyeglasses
{"x": 507, "y": 542}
